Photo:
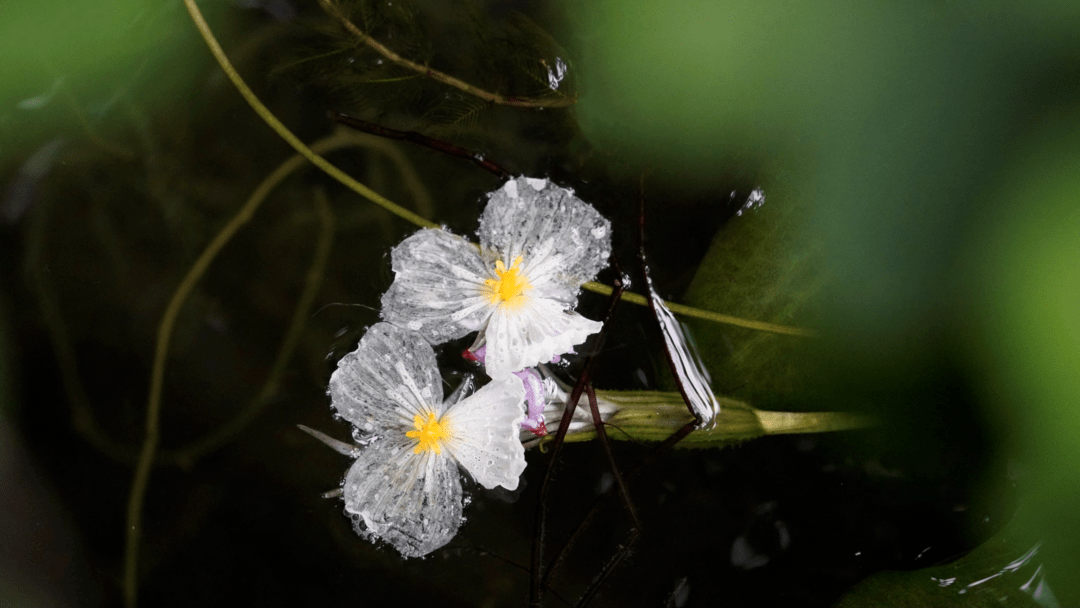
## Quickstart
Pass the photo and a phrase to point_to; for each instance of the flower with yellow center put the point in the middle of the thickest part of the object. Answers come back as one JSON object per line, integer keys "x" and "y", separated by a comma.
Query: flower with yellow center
{"x": 538, "y": 244}
{"x": 510, "y": 288}
{"x": 429, "y": 433}
{"x": 405, "y": 486}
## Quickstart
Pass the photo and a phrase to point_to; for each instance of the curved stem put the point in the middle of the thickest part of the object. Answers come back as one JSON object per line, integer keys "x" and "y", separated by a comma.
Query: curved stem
{"x": 157, "y": 377}
{"x": 335, "y": 11}
{"x": 341, "y": 176}
{"x": 224, "y": 433}
{"x": 82, "y": 416}
{"x": 286, "y": 134}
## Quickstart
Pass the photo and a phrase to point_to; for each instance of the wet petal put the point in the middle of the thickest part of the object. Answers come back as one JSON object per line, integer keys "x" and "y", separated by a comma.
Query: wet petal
{"x": 534, "y": 400}
{"x": 563, "y": 241}
{"x": 390, "y": 378}
{"x": 437, "y": 290}
{"x": 485, "y": 430}
{"x": 411, "y": 501}
{"x": 534, "y": 332}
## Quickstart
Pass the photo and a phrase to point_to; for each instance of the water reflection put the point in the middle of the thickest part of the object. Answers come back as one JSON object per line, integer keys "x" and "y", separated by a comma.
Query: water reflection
{"x": 755, "y": 200}
{"x": 693, "y": 378}
{"x": 556, "y": 76}
{"x": 1035, "y": 585}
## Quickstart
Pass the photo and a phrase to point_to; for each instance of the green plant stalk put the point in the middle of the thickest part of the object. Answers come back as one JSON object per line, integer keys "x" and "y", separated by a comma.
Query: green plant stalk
{"x": 284, "y": 132}
{"x": 349, "y": 182}
{"x": 561, "y": 101}
{"x": 708, "y": 315}
{"x": 149, "y": 451}
{"x": 652, "y": 416}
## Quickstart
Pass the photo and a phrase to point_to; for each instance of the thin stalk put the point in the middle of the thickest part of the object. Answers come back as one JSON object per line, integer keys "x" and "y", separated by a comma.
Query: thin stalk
{"x": 286, "y": 134}
{"x": 148, "y": 453}
{"x": 349, "y": 182}
{"x": 560, "y": 101}
{"x": 314, "y": 278}
{"x": 708, "y": 315}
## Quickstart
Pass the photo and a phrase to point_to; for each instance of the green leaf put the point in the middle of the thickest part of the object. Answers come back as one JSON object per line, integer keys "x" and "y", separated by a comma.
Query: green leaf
{"x": 761, "y": 265}
{"x": 1006, "y": 570}
{"x": 1025, "y": 290}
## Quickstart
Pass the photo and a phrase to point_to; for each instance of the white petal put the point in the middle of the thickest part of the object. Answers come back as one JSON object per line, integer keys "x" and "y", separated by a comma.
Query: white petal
{"x": 532, "y": 333}
{"x": 412, "y": 501}
{"x": 484, "y": 431}
{"x": 437, "y": 289}
{"x": 390, "y": 378}
{"x": 564, "y": 241}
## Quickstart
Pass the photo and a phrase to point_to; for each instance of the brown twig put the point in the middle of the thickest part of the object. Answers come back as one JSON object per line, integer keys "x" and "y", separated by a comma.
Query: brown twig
{"x": 538, "y": 582}
{"x": 634, "y": 533}
{"x": 419, "y": 139}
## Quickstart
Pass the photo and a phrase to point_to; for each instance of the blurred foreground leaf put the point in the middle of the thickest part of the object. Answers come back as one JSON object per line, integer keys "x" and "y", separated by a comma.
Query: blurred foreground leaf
{"x": 1027, "y": 295}
{"x": 73, "y": 64}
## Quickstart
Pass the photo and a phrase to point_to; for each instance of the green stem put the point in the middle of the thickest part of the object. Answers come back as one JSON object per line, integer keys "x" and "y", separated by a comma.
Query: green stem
{"x": 708, "y": 315}
{"x": 407, "y": 215}
{"x": 286, "y": 134}
{"x": 226, "y": 432}
{"x": 148, "y": 453}
{"x": 560, "y": 101}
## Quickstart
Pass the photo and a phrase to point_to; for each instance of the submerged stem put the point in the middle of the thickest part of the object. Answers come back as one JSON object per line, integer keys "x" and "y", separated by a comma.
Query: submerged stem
{"x": 335, "y": 11}
{"x": 286, "y": 134}
{"x": 226, "y": 432}
{"x": 148, "y": 453}
{"x": 346, "y": 180}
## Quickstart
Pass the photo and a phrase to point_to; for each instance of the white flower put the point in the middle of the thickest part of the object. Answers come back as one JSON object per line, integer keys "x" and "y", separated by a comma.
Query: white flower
{"x": 538, "y": 244}
{"x": 404, "y": 488}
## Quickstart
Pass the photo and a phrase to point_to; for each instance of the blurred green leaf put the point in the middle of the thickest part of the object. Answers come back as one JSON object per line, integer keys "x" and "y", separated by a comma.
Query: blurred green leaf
{"x": 70, "y": 64}
{"x": 1004, "y": 571}
{"x": 1027, "y": 296}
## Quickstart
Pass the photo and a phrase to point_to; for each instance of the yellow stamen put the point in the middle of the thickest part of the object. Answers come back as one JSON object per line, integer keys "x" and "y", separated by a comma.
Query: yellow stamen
{"x": 510, "y": 287}
{"x": 428, "y": 433}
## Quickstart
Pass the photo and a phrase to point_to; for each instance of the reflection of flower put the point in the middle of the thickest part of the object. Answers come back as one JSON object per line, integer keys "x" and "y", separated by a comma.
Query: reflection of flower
{"x": 538, "y": 244}
{"x": 404, "y": 487}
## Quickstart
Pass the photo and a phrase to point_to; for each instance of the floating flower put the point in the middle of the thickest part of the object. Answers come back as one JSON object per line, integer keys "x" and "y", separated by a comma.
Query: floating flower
{"x": 538, "y": 244}
{"x": 404, "y": 487}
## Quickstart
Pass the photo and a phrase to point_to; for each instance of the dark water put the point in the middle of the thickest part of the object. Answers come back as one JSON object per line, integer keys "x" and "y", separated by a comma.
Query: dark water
{"x": 96, "y": 242}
